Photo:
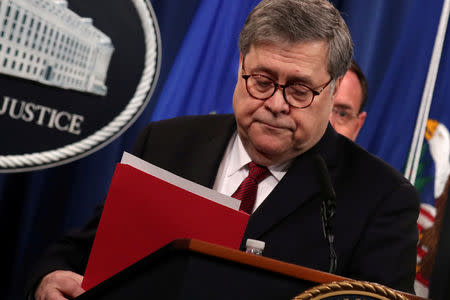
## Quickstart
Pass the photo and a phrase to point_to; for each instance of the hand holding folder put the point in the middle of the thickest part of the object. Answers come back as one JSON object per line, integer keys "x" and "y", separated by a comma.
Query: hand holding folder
{"x": 147, "y": 207}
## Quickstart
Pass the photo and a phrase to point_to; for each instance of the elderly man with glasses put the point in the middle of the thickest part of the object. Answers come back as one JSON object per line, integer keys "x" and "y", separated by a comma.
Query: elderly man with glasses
{"x": 315, "y": 197}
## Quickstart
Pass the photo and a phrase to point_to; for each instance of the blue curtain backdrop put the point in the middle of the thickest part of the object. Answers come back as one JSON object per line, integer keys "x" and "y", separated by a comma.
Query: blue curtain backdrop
{"x": 204, "y": 73}
{"x": 393, "y": 44}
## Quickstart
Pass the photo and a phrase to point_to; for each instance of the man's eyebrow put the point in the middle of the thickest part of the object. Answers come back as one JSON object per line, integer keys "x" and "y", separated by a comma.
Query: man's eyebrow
{"x": 301, "y": 79}
{"x": 262, "y": 69}
{"x": 292, "y": 79}
{"x": 343, "y": 106}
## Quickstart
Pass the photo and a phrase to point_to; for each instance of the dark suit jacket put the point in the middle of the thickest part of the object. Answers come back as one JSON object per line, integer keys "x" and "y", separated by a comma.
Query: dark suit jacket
{"x": 376, "y": 207}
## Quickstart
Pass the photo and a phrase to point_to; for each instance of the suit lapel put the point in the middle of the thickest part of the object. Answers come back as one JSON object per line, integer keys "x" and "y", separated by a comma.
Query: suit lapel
{"x": 299, "y": 185}
{"x": 211, "y": 152}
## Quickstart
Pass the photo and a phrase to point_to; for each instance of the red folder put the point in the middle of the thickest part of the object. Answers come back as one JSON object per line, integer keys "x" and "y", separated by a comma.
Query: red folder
{"x": 142, "y": 213}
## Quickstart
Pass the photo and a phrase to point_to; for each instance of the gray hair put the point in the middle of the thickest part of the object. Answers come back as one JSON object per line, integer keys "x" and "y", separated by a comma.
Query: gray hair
{"x": 275, "y": 21}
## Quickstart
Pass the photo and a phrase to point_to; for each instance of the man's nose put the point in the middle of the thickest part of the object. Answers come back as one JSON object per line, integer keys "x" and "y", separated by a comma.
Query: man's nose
{"x": 277, "y": 104}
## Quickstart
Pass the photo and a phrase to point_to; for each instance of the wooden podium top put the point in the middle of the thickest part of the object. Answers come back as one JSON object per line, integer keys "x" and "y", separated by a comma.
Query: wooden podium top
{"x": 265, "y": 263}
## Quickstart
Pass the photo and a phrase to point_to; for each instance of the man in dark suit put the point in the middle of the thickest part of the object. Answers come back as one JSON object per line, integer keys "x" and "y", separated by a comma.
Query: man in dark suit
{"x": 293, "y": 56}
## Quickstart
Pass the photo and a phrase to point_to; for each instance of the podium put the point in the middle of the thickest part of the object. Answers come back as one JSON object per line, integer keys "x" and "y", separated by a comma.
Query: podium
{"x": 193, "y": 269}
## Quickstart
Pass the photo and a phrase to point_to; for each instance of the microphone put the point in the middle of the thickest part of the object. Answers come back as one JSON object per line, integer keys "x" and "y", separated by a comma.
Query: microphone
{"x": 328, "y": 207}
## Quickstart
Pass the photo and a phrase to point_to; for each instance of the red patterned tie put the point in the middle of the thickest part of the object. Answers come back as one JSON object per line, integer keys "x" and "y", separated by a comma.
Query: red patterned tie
{"x": 246, "y": 192}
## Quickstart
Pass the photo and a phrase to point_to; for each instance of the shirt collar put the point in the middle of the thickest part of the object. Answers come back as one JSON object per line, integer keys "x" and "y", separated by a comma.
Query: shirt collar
{"x": 240, "y": 159}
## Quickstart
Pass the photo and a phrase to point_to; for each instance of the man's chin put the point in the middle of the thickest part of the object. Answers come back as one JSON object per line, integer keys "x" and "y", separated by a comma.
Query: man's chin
{"x": 269, "y": 153}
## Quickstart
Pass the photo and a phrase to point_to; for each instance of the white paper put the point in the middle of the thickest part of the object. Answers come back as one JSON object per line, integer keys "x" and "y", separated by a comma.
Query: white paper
{"x": 181, "y": 182}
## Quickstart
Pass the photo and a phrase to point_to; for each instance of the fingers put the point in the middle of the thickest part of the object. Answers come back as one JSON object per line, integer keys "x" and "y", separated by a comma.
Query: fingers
{"x": 59, "y": 285}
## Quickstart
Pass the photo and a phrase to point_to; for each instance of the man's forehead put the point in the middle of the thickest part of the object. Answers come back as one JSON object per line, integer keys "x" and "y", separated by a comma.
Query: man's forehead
{"x": 302, "y": 60}
{"x": 349, "y": 93}
{"x": 319, "y": 48}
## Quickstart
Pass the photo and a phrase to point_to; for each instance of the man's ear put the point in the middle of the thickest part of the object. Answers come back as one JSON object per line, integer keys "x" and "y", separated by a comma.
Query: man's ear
{"x": 240, "y": 64}
{"x": 361, "y": 118}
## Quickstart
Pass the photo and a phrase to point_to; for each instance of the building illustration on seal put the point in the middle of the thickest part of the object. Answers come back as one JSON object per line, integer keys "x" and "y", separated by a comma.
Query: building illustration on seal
{"x": 44, "y": 41}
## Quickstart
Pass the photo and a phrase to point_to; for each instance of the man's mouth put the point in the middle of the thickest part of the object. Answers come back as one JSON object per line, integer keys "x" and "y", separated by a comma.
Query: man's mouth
{"x": 274, "y": 126}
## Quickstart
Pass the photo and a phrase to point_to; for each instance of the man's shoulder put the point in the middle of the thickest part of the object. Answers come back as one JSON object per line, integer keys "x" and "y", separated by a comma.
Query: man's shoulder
{"x": 194, "y": 121}
{"x": 373, "y": 166}
{"x": 193, "y": 126}
{"x": 370, "y": 178}
{"x": 185, "y": 132}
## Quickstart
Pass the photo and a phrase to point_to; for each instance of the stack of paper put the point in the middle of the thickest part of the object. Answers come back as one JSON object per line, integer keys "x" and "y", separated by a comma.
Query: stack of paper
{"x": 147, "y": 208}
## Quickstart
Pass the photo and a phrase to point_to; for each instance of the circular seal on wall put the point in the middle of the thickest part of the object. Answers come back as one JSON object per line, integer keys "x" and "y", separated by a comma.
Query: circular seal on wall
{"x": 74, "y": 75}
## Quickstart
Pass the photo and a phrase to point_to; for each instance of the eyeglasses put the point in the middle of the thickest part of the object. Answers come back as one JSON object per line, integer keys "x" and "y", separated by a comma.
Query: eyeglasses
{"x": 343, "y": 115}
{"x": 295, "y": 94}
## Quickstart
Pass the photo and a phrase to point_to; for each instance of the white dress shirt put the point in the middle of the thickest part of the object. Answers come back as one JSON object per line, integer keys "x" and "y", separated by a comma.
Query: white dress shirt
{"x": 233, "y": 170}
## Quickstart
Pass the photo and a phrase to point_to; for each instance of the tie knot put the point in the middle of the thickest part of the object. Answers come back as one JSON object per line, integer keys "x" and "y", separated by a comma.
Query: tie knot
{"x": 256, "y": 172}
